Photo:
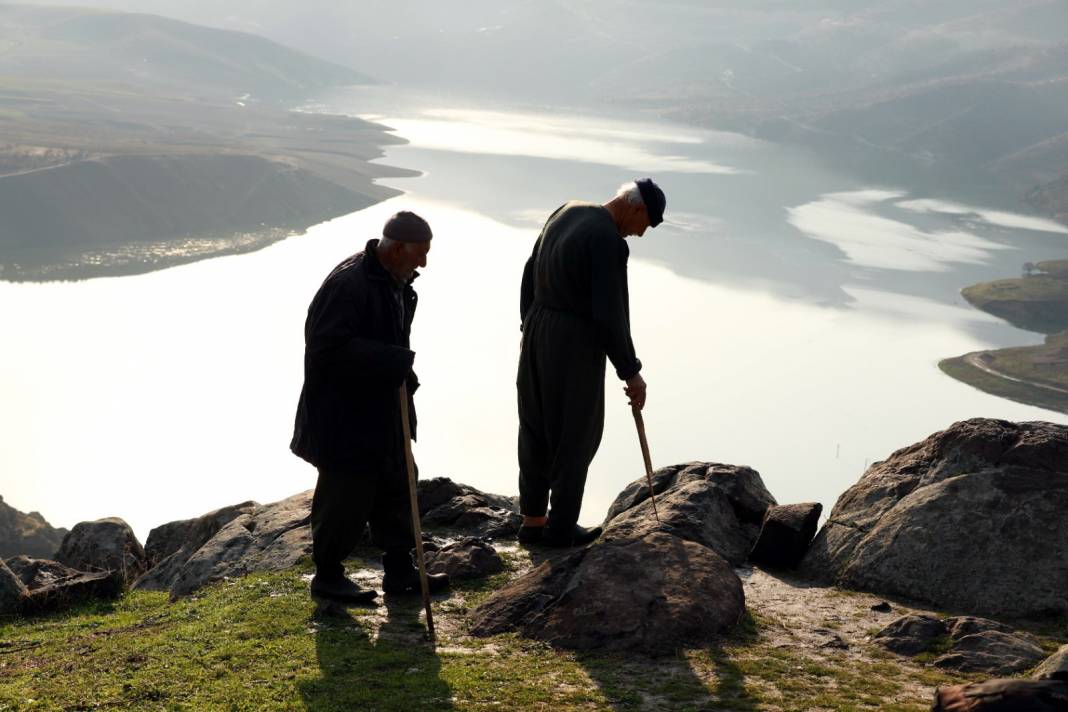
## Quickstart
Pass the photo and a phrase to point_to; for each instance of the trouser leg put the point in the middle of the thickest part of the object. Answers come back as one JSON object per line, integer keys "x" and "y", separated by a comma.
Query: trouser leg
{"x": 533, "y": 448}
{"x": 391, "y": 513}
{"x": 576, "y": 443}
{"x": 340, "y": 507}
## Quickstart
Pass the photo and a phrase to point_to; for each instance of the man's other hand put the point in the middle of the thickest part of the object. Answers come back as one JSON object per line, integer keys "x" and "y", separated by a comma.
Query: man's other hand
{"x": 635, "y": 390}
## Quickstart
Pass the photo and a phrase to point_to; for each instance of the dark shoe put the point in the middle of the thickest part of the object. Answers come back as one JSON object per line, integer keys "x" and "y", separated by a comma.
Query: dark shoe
{"x": 401, "y": 576}
{"x": 340, "y": 590}
{"x": 577, "y": 536}
{"x": 529, "y": 535}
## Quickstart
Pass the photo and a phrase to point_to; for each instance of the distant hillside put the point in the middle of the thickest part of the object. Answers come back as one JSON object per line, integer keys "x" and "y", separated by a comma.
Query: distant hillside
{"x": 1051, "y": 198}
{"x": 164, "y": 55}
{"x": 27, "y": 534}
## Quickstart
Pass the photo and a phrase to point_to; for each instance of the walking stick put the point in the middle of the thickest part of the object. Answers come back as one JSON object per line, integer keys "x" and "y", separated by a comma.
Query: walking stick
{"x": 417, "y": 529}
{"x": 639, "y": 422}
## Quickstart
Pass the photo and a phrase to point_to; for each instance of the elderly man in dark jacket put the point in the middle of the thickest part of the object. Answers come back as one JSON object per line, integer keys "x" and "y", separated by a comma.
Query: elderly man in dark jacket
{"x": 348, "y": 425}
{"x": 575, "y": 310}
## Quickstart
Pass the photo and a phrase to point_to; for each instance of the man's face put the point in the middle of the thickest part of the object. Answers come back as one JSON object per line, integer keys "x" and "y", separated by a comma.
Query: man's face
{"x": 412, "y": 257}
{"x": 637, "y": 221}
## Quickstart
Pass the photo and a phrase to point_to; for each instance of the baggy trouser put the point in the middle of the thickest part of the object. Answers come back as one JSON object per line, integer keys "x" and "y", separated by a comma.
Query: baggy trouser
{"x": 345, "y": 502}
{"x": 560, "y": 388}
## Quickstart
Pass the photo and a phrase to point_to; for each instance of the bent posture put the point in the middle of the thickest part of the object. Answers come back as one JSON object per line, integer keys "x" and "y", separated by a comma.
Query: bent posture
{"x": 575, "y": 310}
{"x": 348, "y": 424}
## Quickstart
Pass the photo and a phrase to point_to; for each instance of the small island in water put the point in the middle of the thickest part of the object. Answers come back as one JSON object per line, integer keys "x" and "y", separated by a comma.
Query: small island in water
{"x": 1035, "y": 375}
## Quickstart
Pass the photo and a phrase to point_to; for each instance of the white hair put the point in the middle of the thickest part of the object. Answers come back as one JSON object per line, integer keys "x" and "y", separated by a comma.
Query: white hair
{"x": 630, "y": 193}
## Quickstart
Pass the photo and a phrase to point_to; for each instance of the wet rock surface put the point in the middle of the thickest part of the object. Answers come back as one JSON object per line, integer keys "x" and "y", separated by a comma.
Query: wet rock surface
{"x": 651, "y": 594}
{"x": 104, "y": 545}
{"x": 719, "y": 506}
{"x": 969, "y": 519}
{"x": 963, "y": 643}
{"x": 468, "y": 558}
{"x": 785, "y": 534}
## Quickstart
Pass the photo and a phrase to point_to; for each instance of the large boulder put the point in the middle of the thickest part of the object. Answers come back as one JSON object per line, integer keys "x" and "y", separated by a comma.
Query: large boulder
{"x": 270, "y": 537}
{"x": 786, "y": 534}
{"x": 1055, "y": 667}
{"x": 1003, "y": 696}
{"x": 27, "y": 534}
{"x": 13, "y": 592}
{"x": 52, "y": 586}
{"x": 445, "y": 504}
{"x": 191, "y": 534}
{"x": 652, "y": 594}
{"x": 719, "y": 506}
{"x": 103, "y": 545}
{"x": 972, "y": 519}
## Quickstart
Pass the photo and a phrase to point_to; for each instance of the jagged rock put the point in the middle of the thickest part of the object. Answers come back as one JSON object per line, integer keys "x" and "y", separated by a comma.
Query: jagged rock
{"x": 651, "y": 594}
{"x": 27, "y": 534}
{"x": 719, "y": 506}
{"x": 1003, "y": 696}
{"x": 447, "y": 504}
{"x": 52, "y": 586}
{"x": 270, "y": 538}
{"x": 469, "y": 558}
{"x": 911, "y": 635}
{"x": 191, "y": 534}
{"x": 785, "y": 534}
{"x": 103, "y": 545}
{"x": 38, "y": 573}
{"x": 968, "y": 644}
{"x": 13, "y": 592}
{"x": 1055, "y": 667}
{"x": 969, "y": 519}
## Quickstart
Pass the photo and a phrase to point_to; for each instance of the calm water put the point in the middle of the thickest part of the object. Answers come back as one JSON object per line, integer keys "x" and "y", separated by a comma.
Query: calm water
{"x": 789, "y": 318}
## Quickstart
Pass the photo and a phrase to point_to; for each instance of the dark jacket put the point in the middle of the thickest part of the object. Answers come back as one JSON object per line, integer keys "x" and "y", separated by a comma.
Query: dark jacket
{"x": 579, "y": 265}
{"x": 356, "y": 356}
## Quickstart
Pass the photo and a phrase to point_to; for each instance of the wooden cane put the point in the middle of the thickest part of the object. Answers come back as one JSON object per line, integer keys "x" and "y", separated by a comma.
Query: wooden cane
{"x": 639, "y": 422}
{"x": 417, "y": 529}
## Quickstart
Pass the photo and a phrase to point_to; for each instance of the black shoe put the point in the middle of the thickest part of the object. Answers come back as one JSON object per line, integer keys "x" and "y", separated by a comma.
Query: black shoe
{"x": 577, "y": 536}
{"x": 529, "y": 535}
{"x": 340, "y": 590}
{"x": 401, "y": 576}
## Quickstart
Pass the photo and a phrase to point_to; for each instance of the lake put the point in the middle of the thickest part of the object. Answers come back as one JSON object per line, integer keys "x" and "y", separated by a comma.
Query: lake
{"x": 790, "y": 317}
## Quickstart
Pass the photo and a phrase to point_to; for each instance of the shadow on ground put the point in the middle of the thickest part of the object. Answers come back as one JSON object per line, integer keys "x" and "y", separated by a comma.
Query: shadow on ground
{"x": 397, "y": 670}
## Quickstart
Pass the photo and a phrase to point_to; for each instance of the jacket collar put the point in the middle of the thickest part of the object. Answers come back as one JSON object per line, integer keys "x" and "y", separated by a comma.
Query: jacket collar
{"x": 374, "y": 267}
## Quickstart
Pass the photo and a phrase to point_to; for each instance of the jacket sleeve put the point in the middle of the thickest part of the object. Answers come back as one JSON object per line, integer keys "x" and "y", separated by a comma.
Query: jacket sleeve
{"x": 332, "y": 344}
{"x": 611, "y": 303}
{"x": 526, "y": 290}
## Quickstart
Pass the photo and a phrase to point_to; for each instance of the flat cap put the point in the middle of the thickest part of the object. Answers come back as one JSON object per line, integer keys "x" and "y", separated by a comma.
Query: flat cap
{"x": 654, "y": 200}
{"x": 406, "y": 226}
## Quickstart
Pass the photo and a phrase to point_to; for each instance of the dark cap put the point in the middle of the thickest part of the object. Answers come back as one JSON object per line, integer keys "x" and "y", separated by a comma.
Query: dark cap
{"x": 654, "y": 200}
{"x": 406, "y": 226}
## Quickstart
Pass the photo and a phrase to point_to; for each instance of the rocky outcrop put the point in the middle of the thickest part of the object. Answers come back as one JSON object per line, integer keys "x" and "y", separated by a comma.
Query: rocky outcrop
{"x": 191, "y": 534}
{"x": 1055, "y": 667}
{"x": 963, "y": 643}
{"x": 969, "y": 519}
{"x": 48, "y": 586}
{"x": 444, "y": 504}
{"x": 27, "y": 534}
{"x": 468, "y": 558}
{"x": 259, "y": 538}
{"x": 13, "y": 592}
{"x": 1003, "y": 696}
{"x": 718, "y": 506}
{"x": 651, "y": 594}
{"x": 103, "y": 545}
{"x": 786, "y": 534}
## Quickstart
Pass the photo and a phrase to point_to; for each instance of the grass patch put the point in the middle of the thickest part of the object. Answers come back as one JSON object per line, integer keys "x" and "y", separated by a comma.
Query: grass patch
{"x": 963, "y": 371}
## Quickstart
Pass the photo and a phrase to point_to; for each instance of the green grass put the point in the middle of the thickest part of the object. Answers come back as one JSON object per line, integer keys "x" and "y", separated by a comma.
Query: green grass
{"x": 259, "y": 643}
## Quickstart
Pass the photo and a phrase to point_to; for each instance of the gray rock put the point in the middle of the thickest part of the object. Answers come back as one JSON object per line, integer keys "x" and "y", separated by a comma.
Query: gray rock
{"x": 465, "y": 559}
{"x": 911, "y": 635}
{"x": 969, "y": 519}
{"x": 1055, "y": 667}
{"x": 27, "y": 534}
{"x": 38, "y": 573}
{"x": 719, "y": 506}
{"x": 191, "y": 534}
{"x": 71, "y": 590}
{"x": 450, "y": 505}
{"x": 13, "y": 593}
{"x": 1003, "y": 696}
{"x": 786, "y": 534}
{"x": 269, "y": 538}
{"x": 652, "y": 594}
{"x": 103, "y": 545}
